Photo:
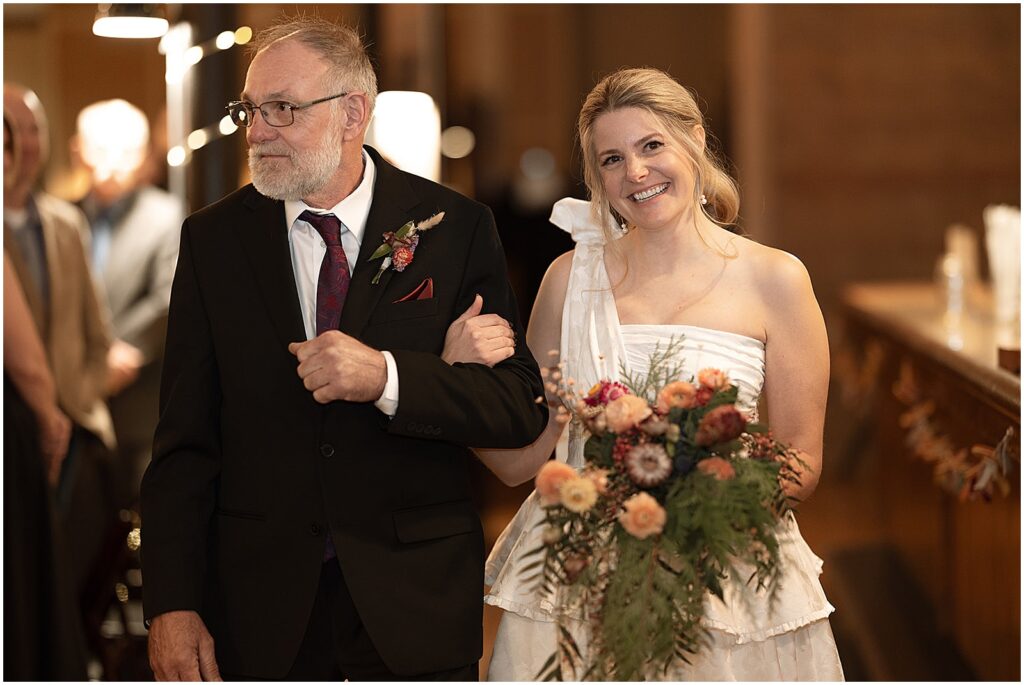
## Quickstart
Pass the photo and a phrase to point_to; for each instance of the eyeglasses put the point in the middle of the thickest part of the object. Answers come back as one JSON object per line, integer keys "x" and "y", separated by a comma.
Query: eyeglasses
{"x": 275, "y": 112}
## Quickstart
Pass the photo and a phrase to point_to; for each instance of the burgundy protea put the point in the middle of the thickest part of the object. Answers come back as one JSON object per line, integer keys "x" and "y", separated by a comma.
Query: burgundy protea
{"x": 648, "y": 465}
{"x": 719, "y": 425}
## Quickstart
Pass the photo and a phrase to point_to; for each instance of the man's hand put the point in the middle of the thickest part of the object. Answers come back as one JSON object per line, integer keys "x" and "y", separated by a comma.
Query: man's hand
{"x": 123, "y": 363}
{"x": 54, "y": 434}
{"x": 335, "y": 366}
{"x": 180, "y": 648}
{"x": 480, "y": 339}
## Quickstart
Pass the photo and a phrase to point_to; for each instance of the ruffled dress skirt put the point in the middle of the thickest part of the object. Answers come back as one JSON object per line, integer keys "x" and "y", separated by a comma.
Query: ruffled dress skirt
{"x": 749, "y": 640}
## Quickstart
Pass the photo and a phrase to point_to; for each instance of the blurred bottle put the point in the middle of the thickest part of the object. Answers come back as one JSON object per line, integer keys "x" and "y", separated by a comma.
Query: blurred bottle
{"x": 1002, "y": 238}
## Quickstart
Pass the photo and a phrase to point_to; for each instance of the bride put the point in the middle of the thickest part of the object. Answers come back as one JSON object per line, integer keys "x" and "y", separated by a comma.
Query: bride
{"x": 653, "y": 261}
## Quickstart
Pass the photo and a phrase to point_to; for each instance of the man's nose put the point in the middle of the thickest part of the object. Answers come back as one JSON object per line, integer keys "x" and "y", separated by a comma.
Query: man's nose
{"x": 260, "y": 131}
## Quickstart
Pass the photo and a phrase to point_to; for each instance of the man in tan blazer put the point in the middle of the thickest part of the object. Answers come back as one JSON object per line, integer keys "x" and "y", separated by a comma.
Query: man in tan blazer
{"x": 43, "y": 236}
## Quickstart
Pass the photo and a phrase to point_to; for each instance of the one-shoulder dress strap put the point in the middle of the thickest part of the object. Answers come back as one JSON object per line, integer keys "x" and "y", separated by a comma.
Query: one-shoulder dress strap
{"x": 578, "y": 219}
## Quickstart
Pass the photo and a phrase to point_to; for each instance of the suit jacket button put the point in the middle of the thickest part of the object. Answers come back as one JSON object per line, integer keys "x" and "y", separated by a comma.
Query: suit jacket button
{"x": 327, "y": 450}
{"x": 314, "y": 529}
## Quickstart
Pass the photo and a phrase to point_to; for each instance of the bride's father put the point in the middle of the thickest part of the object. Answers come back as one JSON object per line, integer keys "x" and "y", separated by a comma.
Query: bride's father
{"x": 307, "y": 510}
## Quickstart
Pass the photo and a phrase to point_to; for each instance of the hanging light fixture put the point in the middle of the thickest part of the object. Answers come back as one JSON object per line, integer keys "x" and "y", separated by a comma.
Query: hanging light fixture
{"x": 406, "y": 129}
{"x": 118, "y": 20}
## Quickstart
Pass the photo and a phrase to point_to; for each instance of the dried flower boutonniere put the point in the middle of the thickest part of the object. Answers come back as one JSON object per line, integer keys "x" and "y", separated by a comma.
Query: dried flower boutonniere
{"x": 400, "y": 246}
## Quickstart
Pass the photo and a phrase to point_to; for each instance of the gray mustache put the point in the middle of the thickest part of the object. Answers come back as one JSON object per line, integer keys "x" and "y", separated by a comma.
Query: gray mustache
{"x": 257, "y": 152}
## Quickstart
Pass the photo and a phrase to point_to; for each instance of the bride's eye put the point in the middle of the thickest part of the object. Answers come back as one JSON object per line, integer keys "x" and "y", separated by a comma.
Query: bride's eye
{"x": 610, "y": 159}
{"x": 653, "y": 144}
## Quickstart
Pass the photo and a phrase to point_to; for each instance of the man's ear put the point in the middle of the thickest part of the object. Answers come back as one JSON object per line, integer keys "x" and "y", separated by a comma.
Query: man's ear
{"x": 357, "y": 110}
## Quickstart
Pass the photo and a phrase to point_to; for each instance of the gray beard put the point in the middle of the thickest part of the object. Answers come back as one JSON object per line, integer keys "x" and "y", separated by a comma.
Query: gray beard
{"x": 307, "y": 175}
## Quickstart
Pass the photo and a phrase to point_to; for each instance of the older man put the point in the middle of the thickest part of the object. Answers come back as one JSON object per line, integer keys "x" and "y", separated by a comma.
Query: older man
{"x": 307, "y": 510}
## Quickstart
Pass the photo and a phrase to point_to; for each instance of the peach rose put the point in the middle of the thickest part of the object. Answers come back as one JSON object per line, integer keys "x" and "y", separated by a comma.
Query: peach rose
{"x": 549, "y": 481}
{"x": 600, "y": 478}
{"x": 713, "y": 378}
{"x": 720, "y": 468}
{"x": 578, "y": 494}
{"x": 642, "y": 516}
{"x": 626, "y": 412}
{"x": 678, "y": 394}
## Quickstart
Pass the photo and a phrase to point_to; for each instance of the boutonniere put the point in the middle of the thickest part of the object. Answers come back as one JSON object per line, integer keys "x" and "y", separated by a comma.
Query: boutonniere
{"x": 400, "y": 246}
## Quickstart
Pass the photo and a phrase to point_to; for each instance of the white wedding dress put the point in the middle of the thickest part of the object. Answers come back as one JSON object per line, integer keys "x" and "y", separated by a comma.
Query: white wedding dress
{"x": 749, "y": 641}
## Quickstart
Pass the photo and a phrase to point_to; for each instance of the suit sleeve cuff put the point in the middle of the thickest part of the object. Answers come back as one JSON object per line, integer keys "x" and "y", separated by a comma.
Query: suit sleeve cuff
{"x": 388, "y": 400}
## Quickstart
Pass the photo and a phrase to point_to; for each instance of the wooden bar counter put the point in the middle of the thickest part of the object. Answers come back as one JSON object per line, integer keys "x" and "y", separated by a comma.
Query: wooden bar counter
{"x": 938, "y": 423}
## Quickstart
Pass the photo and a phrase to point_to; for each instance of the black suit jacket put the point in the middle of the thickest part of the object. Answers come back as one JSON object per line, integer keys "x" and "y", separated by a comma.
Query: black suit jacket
{"x": 249, "y": 472}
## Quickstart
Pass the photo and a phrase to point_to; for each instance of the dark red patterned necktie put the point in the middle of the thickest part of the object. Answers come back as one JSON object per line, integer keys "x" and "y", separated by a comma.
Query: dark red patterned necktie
{"x": 331, "y": 289}
{"x": 332, "y": 286}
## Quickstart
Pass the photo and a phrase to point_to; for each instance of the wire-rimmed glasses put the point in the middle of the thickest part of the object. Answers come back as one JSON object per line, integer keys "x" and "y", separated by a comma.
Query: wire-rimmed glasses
{"x": 276, "y": 113}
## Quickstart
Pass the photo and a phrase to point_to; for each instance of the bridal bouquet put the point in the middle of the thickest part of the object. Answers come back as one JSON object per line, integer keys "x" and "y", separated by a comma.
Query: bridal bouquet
{"x": 678, "y": 485}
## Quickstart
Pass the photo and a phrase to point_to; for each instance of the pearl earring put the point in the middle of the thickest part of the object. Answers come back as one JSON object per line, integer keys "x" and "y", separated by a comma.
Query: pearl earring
{"x": 703, "y": 199}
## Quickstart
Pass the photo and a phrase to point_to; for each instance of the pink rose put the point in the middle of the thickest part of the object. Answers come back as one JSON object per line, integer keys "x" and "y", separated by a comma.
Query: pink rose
{"x": 678, "y": 394}
{"x": 713, "y": 378}
{"x": 626, "y": 412}
{"x": 642, "y": 516}
{"x": 719, "y": 425}
{"x": 549, "y": 481}
{"x": 720, "y": 468}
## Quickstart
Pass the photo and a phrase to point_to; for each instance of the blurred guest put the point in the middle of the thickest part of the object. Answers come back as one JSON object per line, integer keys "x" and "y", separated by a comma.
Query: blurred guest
{"x": 43, "y": 236}
{"x": 135, "y": 230}
{"x": 42, "y": 634}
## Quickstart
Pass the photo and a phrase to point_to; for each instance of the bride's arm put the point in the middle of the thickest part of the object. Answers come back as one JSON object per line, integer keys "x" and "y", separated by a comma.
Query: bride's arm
{"x": 543, "y": 334}
{"x": 796, "y": 366}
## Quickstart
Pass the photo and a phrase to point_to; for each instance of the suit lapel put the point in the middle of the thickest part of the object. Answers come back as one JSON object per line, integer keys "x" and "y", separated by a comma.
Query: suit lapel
{"x": 28, "y": 285}
{"x": 393, "y": 199}
{"x": 264, "y": 238}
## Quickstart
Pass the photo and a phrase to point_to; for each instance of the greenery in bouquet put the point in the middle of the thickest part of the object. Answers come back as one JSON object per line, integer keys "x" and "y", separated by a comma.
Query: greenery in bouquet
{"x": 678, "y": 485}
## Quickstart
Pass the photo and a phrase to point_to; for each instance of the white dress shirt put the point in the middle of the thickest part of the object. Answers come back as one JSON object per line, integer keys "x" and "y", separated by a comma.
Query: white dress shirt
{"x": 308, "y": 251}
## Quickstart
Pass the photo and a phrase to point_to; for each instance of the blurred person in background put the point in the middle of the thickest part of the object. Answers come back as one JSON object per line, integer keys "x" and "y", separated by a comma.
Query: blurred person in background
{"x": 134, "y": 239}
{"x": 44, "y": 238}
{"x": 42, "y": 633}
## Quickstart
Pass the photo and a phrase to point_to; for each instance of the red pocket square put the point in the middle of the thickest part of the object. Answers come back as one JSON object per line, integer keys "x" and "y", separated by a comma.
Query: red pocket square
{"x": 424, "y": 291}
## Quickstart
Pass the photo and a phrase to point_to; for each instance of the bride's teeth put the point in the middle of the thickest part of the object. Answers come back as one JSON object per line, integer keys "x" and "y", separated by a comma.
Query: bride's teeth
{"x": 651, "y": 192}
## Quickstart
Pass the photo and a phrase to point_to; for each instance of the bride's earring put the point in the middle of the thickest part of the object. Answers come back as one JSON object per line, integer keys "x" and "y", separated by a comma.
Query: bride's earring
{"x": 703, "y": 199}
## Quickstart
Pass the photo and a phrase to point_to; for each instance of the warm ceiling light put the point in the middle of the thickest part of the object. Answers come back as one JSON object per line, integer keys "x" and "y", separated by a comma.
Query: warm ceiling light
{"x": 130, "y": 21}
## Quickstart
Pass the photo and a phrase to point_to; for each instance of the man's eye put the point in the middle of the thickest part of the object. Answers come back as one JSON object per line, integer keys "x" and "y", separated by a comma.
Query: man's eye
{"x": 282, "y": 106}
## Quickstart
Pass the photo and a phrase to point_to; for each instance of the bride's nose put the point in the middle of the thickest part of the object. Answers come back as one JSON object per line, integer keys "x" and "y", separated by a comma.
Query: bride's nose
{"x": 636, "y": 170}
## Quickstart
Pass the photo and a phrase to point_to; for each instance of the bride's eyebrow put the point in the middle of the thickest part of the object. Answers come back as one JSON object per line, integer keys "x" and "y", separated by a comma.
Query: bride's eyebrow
{"x": 638, "y": 143}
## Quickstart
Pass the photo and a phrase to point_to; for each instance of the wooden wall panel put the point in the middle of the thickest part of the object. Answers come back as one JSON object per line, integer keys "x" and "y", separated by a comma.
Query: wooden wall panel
{"x": 887, "y": 124}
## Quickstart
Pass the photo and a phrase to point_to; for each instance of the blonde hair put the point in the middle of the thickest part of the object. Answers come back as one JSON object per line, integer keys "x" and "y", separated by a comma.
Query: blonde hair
{"x": 340, "y": 46}
{"x": 676, "y": 109}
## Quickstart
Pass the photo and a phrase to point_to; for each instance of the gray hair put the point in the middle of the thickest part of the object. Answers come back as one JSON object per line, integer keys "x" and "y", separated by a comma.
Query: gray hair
{"x": 341, "y": 46}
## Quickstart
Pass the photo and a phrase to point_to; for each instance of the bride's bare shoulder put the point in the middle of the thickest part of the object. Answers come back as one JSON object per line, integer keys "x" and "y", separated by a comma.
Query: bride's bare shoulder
{"x": 557, "y": 275}
{"x": 779, "y": 276}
